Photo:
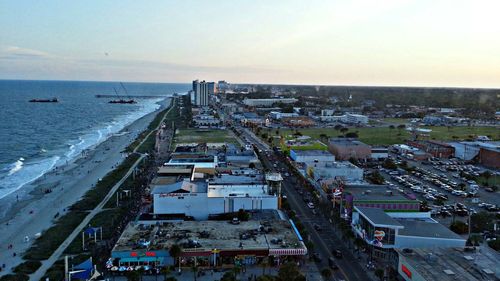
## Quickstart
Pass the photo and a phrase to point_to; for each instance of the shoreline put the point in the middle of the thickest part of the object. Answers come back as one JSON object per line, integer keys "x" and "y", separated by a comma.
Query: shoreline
{"x": 36, "y": 210}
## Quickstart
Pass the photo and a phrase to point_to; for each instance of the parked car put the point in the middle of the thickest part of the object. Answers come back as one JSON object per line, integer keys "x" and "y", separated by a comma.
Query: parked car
{"x": 337, "y": 253}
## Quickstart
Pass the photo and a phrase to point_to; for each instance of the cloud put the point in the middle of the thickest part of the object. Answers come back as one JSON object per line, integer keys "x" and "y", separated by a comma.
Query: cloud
{"x": 14, "y": 52}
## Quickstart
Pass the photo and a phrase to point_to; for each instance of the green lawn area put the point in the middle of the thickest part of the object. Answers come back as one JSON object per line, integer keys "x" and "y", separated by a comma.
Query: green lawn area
{"x": 387, "y": 136}
{"x": 202, "y": 135}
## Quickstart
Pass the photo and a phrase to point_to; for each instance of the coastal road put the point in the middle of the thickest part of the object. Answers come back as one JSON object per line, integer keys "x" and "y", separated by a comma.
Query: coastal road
{"x": 46, "y": 264}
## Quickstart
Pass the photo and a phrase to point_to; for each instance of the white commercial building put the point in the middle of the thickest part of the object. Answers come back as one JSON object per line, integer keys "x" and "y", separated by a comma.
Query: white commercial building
{"x": 222, "y": 194}
{"x": 268, "y": 102}
{"x": 326, "y": 171}
{"x": 278, "y": 115}
{"x": 355, "y": 119}
{"x": 346, "y": 118}
{"x": 400, "y": 230}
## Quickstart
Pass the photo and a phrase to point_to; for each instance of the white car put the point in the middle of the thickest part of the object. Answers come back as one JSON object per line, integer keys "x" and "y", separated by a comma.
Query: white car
{"x": 310, "y": 205}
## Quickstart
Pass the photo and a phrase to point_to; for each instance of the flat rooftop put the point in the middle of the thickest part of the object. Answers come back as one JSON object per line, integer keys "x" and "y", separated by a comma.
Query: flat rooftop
{"x": 347, "y": 142}
{"x": 374, "y": 192}
{"x": 312, "y": 153}
{"x": 184, "y": 186}
{"x": 222, "y": 235}
{"x": 425, "y": 228}
{"x": 452, "y": 264}
{"x": 378, "y": 216}
{"x": 226, "y": 179}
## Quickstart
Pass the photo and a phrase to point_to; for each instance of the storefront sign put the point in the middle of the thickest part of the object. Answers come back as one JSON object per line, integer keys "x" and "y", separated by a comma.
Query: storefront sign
{"x": 147, "y": 254}
{"x": 406, "y": 270}
{"x": 177, "y": 194}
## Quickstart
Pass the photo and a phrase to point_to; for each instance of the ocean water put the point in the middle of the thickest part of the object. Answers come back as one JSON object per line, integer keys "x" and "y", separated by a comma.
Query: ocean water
{"x": 36, "y": 137}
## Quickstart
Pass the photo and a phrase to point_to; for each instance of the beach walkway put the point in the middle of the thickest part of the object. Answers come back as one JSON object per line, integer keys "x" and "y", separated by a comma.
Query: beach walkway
{"x": 46, "y": 264}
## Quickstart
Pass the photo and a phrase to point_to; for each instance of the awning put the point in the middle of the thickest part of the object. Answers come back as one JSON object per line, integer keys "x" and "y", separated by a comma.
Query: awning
{"x": 287, "y": 252}
{"x": 196, "y": 254}
{"x": 141, "y": 259}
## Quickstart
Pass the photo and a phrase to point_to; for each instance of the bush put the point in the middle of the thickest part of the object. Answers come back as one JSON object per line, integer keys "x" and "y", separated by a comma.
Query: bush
{"x": 15, "y": 277}
{"x": 494, "y": 244}
{"x": 459, "y": 227}
{"x": 27, "y": 267}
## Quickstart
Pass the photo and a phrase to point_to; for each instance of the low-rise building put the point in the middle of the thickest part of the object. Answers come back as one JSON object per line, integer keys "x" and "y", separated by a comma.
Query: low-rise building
{"x": 303, "y": 156}
{"x": 377, "y": 196}
{"x": 327, "y": 172}
{"x": 435, "y": 148}
{"x": 489, "y": 155}
{"x": 447, "y": 264}
{"x": 399, "y": 230}
{"x": 344, "y": 149}
{"x": 207, "y": 243}
{"x": 276, "y": 115}
{"x": 379, "y": 153}
{"x": 268, "y": 102}
{"x": 222, "y": 194}
{"x": 299, "y": 121}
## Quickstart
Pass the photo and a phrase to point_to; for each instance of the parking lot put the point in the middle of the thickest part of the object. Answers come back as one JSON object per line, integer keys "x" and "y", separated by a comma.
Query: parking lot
{"x": 449, "y": 196}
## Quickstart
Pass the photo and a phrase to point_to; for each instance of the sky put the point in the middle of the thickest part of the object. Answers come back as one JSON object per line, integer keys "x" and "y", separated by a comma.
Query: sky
{"x": 381, "y": 42}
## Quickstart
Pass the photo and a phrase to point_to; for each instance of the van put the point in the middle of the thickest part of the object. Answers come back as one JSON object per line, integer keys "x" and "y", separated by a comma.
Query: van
{"x": 332, "y": 263}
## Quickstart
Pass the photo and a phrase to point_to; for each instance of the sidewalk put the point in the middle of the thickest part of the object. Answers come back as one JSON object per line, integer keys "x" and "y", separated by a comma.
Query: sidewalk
{"x": 309, "y": 270}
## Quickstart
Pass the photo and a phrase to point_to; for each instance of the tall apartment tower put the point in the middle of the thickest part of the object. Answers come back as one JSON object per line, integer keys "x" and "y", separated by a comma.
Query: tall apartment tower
{"x": 201, "y": 92}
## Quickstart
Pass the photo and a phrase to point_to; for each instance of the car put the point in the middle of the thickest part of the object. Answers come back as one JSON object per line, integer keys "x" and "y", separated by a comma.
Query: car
{"x": 310, "y": 205}
{"x": 316, "y": 257}
{"x": 332, "y": 264}
{"x": 317, "y": 227}
{"x": 337, "y": 253}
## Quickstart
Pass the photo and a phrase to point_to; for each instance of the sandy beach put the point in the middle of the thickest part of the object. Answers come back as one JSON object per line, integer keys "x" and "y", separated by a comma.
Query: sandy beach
{"x": 31, "y": 210}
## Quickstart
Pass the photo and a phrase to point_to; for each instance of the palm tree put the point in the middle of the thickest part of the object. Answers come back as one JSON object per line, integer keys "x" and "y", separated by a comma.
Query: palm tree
{"x": 264, "y": 264}
{"x": 326, "y": 273}
{"x": 165, "y": 271}
{"x": 195, "y": 271}
{"x": 175, "y": 252}
{"x": 343, "y": 130}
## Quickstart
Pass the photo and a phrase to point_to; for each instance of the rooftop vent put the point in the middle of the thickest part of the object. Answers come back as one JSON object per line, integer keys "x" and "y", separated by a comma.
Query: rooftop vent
{"x": 469, "y": 258}
{"x": 449, "y": 272}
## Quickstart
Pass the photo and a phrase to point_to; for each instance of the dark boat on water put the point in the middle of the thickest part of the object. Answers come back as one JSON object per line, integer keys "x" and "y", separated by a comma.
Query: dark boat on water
{"x": 120, "y": 100}
{"x": 44, "y": 100}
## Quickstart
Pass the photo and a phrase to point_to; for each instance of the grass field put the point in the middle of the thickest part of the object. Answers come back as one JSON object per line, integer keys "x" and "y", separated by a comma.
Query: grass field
{"x": 198, "y": 135}
{"x": 396, "y": 120}
{"x": 387, "y": 136}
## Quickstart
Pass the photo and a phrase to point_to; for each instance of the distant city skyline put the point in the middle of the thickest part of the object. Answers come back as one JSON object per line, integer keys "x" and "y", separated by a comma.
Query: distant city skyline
{"x": 366, "y": 43}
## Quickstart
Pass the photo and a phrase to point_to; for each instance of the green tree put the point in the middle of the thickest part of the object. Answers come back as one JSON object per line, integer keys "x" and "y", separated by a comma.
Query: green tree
{"x": 482, "y": 221}
{"x": 243, "y": 215}
{"x": 133, "y": 276}
{"x": 289, "y": 272}
{"x": 165, "y": 271}
{"x": 266, "y": 278}
{"x": 352, "y": 135}
{"x": 195, "y": 272}
{"x": 379, "y": 272}
{"x": 175, "y": 252}
{"x": 326, "y": 273}
{"x": 228, "y": 276}
{"x": 459, "y": 227}
{"x": 343, "y": 130}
